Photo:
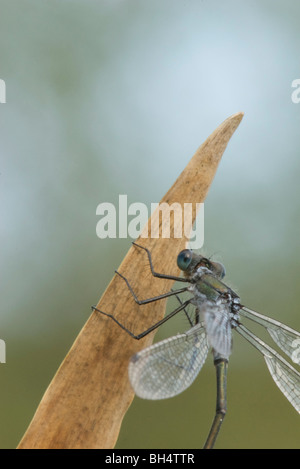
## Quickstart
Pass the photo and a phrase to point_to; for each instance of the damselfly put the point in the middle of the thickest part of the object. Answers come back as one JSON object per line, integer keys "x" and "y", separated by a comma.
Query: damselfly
{"x": 167, "y": 368}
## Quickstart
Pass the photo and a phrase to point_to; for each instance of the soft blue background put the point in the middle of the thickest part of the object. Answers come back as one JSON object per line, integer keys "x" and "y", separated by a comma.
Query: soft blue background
{"x": 113, "y": 97}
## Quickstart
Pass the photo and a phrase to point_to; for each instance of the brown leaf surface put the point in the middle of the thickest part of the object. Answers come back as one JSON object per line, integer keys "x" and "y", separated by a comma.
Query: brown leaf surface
{"x": 86, "y": 401}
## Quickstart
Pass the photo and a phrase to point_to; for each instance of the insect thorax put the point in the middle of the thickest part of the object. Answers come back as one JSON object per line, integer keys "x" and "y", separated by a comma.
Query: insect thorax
{"x": 210, "y": 291}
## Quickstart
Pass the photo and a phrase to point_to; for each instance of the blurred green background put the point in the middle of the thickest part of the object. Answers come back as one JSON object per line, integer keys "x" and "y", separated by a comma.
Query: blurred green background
{"x": 114, "y": 97}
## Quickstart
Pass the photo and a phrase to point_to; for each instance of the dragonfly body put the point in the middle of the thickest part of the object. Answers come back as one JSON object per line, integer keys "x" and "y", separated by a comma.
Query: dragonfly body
{"x": 167, "y": 368}
{"x": 216, "y": 305}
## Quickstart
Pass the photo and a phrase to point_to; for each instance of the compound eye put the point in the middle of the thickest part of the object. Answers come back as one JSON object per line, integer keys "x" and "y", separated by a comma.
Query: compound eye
{"x": 184, "y": 259}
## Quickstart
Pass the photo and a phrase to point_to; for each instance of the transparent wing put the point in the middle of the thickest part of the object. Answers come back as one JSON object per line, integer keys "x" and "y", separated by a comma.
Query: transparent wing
{"x": 169, "y": 367}
{"x": 217, "y": 323}
{"x": 284, "y": 375}
{"x": 286, "y": 338}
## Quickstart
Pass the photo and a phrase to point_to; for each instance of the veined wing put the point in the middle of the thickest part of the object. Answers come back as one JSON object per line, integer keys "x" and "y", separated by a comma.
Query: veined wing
{"x": 284, "y": 375}
{"x": 217, "y": 321}
{"x": 169, "y": 367}
{"x": 286, "y": 338}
